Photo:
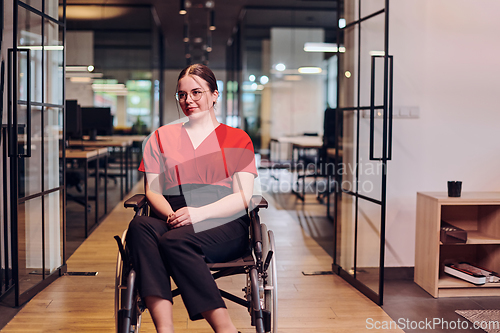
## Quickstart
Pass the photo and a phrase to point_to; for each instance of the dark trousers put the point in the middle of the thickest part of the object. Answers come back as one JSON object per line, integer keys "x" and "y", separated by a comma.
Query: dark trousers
{"x": 159, "y": 253}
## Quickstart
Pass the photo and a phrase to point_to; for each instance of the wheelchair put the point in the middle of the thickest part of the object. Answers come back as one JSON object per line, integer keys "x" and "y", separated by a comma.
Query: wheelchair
{"x": 259, "y": 264}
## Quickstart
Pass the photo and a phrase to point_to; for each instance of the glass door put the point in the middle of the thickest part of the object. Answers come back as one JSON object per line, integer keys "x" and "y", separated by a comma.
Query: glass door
{"x": 35, "y": 112}
{"x": 364, "y": 116}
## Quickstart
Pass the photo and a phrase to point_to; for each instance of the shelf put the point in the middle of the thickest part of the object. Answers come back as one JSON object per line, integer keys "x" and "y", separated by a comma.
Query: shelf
{"x": 477, "y": 237}
{"x": 453, "y": 282}
{"x": 467, "y": 198}
{"x": 476, "y": 212}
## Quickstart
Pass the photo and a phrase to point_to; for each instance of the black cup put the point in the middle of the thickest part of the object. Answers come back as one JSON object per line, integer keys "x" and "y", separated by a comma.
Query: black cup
{"x": 454, "y": 189}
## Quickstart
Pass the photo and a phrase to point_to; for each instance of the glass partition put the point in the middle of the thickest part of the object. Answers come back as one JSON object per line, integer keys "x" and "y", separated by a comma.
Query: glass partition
{"x": 32, "y": 169}
{"x": 30, "y": 258}
{"x": 364, "y": 146}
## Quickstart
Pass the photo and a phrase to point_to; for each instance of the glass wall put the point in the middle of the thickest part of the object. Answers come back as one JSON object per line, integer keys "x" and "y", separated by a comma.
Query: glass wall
{"x": 365, "y": 109}
{"x": 276, "y": 86}
{"x": 126, "y": 62}
{"x": 33, "y": 197}
{"x": 139, "y": 105}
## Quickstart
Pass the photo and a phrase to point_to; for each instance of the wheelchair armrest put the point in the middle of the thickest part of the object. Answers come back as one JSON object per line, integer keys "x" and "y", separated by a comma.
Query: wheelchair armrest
{"x": 258, "y": 201}
{"x": 137, "y": 201}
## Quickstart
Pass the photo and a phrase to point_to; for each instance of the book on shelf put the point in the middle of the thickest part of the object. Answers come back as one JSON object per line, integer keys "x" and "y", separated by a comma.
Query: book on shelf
{"x": 472, "y": 273}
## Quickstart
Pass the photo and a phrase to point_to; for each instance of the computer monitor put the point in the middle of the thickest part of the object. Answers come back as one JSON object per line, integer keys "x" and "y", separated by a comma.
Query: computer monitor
{"x": 73, "y": 120}
{"x": 97, "y": 121}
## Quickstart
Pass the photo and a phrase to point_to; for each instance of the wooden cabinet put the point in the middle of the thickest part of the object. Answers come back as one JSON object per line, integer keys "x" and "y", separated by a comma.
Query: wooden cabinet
{"x": 476, "y": 212}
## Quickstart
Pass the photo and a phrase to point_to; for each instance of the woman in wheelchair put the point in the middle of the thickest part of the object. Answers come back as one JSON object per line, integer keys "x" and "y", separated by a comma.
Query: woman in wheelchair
{"x": 199, "y": 181}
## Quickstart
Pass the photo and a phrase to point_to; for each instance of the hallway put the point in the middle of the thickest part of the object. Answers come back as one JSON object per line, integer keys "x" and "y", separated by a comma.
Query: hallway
{"x": 312, "y": 304}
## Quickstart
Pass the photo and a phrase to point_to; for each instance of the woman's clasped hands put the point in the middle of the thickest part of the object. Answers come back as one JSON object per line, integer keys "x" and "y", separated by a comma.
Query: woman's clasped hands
{"x": 185, "y": 216}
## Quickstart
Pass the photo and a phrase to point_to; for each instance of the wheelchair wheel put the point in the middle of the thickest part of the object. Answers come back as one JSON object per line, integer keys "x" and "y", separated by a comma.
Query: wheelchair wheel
{"x": 269, "y": 300}
{"x": 126, "y": 298}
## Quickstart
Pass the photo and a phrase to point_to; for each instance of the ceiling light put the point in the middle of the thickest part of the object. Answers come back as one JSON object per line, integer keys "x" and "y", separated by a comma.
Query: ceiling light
{"x": 251, "y": 78}
{"x": 91, "y": 12}
{"x": 209, "y": 4}
{"x": 108, "y": 86}
{"x": 341, "y": 23}
{"x": 377, "y": 53}
{"x": 117, "y": 89}
{"x": 84, "y": 74}
{"x": 182, "y": 9}
{"x": 77, "y": 69}
{"x": 280, "y": 67}
{"x": 80, "y": 79}
{"x": 212, "y": 20}
{"x": 310, "y": 70}
{"x": 347, "y": 74}
{"x": 198, "y": 40}
{"x": 186, "y": 33}
{"x": 90, "y": 68}
{"x": 53, "y": 48}
{"x": 264, "y": 79}
{"x": 208, "y": 47}
{"x": 46, "y": 48}
{"x": 322, "y": 47}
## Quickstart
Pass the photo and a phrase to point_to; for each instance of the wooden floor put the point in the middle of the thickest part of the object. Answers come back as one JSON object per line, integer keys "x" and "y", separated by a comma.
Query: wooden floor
{"x": 307, "y": 304}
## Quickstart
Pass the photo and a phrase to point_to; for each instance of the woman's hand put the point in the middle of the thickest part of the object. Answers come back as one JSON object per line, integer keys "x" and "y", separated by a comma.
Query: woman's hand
{"x": 185, "y": 216}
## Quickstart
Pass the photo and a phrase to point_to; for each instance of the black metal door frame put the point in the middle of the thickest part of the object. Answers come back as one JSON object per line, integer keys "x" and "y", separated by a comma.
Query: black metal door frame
{"x": 11, "y": 153}
{"x": 386, "y": 108}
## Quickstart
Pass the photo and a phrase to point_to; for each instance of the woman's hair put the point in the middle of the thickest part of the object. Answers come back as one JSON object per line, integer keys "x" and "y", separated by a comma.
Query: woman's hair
{"x": 202, "y": 72}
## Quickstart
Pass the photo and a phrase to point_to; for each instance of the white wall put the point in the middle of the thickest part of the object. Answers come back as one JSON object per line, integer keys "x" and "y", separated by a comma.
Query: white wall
{"x": 79, "y": 48}
{"x": 446, "y": 63}
{"x": 82, "y": 92}
{"x": 80, "y": 52}
{"x": 296, "y": 106}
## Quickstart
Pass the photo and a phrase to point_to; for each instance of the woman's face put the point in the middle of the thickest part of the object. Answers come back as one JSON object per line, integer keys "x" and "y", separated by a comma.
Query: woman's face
{"x": 195, "y": 96}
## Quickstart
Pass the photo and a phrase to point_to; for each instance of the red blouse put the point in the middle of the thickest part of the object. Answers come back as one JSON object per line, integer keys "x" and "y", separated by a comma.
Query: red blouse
{"x": 169, "y": 152}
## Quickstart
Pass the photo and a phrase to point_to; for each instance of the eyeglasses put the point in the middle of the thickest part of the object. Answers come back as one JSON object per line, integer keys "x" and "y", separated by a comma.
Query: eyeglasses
{"x": 195, "y": 95}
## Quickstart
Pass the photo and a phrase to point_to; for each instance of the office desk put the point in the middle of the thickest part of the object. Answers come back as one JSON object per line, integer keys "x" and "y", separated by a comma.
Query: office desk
{"x": 123, "y": 145}
{"x": 304, "y": 141}
{"x": 134, "y": 138}
{"x": 86, "y": 155}
{"x": 298, "y": 144}
{"x": 301, "y": 145}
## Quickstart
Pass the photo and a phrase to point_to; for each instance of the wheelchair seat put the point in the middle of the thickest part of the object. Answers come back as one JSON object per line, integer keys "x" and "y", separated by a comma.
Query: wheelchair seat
{"x": 246, "y": 260}
{"x": 260, "y": 292}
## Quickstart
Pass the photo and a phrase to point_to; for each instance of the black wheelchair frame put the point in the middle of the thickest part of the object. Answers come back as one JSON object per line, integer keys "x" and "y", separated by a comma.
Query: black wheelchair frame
{"x": 260, "y": 293}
